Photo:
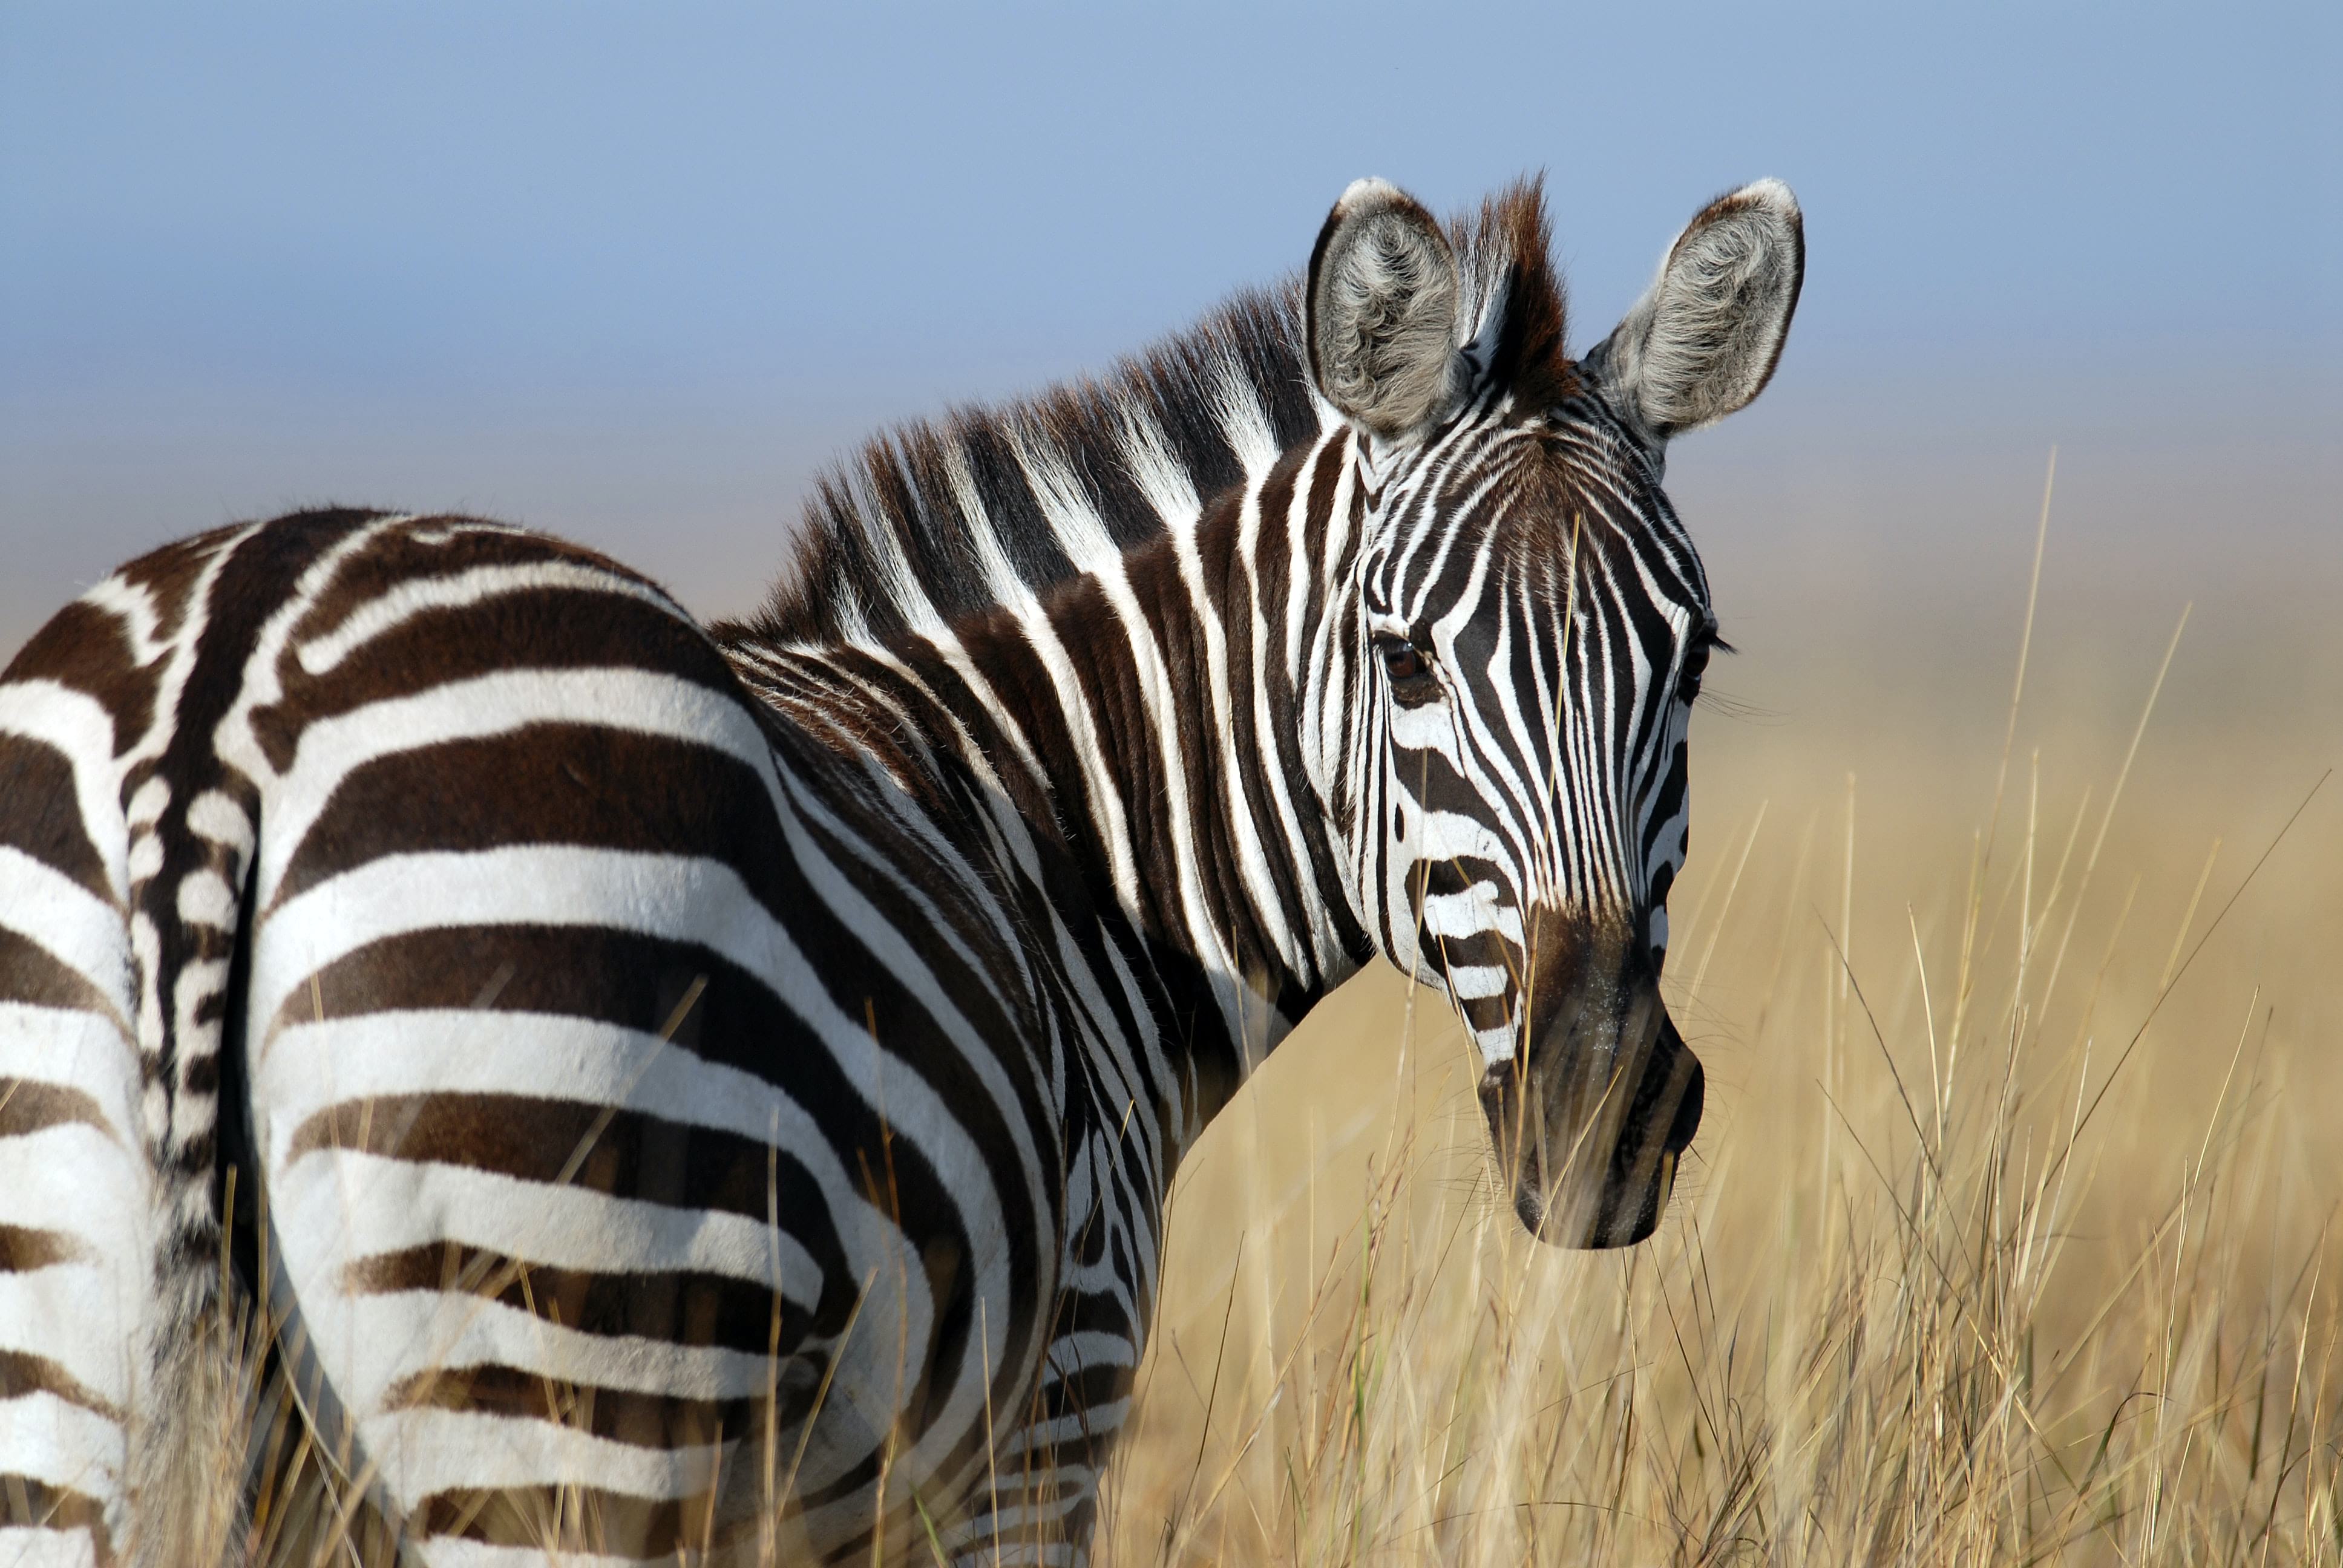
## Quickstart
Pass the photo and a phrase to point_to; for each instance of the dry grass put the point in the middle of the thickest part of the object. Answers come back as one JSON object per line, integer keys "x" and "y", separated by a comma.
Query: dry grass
{"x": 2009, "y": 1237}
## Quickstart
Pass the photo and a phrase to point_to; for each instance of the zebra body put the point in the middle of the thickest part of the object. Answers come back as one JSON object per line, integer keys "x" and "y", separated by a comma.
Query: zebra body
{"x": 716, "y": 1089}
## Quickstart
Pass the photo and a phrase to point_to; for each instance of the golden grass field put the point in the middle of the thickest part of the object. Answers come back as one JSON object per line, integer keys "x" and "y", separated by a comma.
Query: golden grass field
{"x": 2010, "y": 1235}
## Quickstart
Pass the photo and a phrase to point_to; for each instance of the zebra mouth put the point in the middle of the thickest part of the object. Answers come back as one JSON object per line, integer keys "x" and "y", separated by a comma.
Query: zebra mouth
{"x": 1661, "y": 1122}
{"x": 1546, "y": 1135}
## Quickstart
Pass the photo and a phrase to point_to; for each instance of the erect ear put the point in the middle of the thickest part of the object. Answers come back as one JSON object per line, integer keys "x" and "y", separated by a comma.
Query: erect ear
{"x": 1382, "y": 306}
{"x": 1704, "y": 338}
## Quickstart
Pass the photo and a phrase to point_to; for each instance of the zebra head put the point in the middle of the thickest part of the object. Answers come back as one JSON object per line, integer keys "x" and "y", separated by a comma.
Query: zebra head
{"x": 1531, "y": 623}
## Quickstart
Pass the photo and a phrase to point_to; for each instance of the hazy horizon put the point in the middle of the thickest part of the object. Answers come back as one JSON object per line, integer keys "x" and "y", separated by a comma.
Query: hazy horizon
{"x": 636, "y": 277}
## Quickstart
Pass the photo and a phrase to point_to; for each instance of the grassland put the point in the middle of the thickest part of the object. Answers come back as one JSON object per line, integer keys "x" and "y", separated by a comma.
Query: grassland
{"x": 2009, "y": 1236}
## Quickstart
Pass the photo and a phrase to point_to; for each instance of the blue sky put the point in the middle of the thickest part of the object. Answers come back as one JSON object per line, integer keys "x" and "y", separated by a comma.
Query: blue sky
{"x": 633, "y": 271}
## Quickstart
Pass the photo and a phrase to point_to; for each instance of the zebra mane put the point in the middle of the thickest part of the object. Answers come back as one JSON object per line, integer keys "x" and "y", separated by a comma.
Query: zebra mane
{"x": 930, "y": 519}
{"x": 934, "y": 519}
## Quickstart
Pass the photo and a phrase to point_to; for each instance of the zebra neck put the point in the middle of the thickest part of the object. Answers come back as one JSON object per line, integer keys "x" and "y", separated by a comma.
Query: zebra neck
{"x": 1161, "y": 701}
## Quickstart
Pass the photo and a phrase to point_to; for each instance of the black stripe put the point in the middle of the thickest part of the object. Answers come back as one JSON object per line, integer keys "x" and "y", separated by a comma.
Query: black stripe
{"x": 30, "y": 973}
{"x": 623, "y": 1153}
{"x": 622, "y": 1415}
{"x": 546, "y": 784}
{"x": 29, "y": 1106}
{"x": 23, "y": 1373}
{"x": 27, "y": 1501}
{"x": 40, "y": 815}
{"x": 680, "y": 1306}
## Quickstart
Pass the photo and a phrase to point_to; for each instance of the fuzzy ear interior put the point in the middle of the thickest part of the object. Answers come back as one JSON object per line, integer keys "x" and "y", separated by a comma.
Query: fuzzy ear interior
{"x": 1382, "y": 300}
{"x": 1705, "y": 336}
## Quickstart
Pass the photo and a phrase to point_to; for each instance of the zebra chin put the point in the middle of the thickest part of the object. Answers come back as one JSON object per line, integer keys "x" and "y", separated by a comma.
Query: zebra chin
{"x": 1589, "y": 1122}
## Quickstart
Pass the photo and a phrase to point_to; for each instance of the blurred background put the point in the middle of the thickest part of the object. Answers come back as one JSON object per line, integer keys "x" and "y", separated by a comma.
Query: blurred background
{"x": 635, "y": 274}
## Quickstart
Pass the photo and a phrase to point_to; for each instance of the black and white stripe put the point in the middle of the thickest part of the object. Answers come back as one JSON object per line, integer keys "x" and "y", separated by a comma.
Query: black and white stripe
{"x": 718, "y": 1088}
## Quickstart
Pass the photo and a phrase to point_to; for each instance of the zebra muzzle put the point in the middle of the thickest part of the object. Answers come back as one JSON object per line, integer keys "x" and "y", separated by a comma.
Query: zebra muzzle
{"x": 1592, "y": 1121}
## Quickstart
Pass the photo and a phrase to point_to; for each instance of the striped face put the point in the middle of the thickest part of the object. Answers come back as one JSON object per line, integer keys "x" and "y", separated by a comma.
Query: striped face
{"x": 1536, "y": 623}
{"x": 1532, "y": 628}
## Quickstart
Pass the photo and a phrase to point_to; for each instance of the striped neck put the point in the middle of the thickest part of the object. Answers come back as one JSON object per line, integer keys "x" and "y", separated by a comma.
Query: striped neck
{"x": 1167, "y": 713}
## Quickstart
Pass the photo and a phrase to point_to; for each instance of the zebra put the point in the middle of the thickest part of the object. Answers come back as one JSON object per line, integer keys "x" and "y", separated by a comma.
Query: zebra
{"x": 711, "y": 1092}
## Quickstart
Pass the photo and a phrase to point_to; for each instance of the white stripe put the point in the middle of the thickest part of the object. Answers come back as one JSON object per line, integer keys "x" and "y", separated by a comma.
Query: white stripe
{"x": 59, "y": 1444}
{"x": 132, "y": 604}
{"x": 426, "y": 1451}
{"x": 1108, "y": 1417}
{"x": 207, "y": 900}
{"x": 390, "y": 1335}
{"x": 1087, "y": 1350}
{"x": 1244, "y": 423}
{"x": 1166, "y": 485}
{"x": 1002, "y": 581}
{"x": 1470, "y": 982}
{"x": 214, "y": 816}
{"x": 898, "y": 585}
{"x": 1079, "y": 529}
{"x": 66, "y": 920}
{"x": 77, "y": 1049}
{"x": 145, "y": 804}
{"x": 24, "y": 1547}
{"x": 417, "y": 596}
{"x": 84, "y": 1317}
{"x": 1308, "y": 942}
{"x": 71, "y": 1177}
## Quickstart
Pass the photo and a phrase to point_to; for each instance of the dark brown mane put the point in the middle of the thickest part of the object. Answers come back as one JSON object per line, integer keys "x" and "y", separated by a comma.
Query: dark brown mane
{"x": 900, "y": 535}
{"x": 1509, "y": 244}
{"x": 889, "y": 540}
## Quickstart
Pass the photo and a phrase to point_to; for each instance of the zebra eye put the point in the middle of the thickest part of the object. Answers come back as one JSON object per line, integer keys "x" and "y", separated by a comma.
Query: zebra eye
{"x": 1695, "y": 664}
{"x": 1411, "y": 673}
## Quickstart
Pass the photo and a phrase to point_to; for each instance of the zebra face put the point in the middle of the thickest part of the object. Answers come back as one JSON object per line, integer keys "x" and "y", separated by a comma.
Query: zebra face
{"x": 1533, "y": 684}
{"x": 1532, "y": 628}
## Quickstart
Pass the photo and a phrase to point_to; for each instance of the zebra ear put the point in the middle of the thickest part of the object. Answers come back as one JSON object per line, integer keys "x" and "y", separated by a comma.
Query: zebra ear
{"x": 1704, "y": 338}
{"x": 1382, "y": 311}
